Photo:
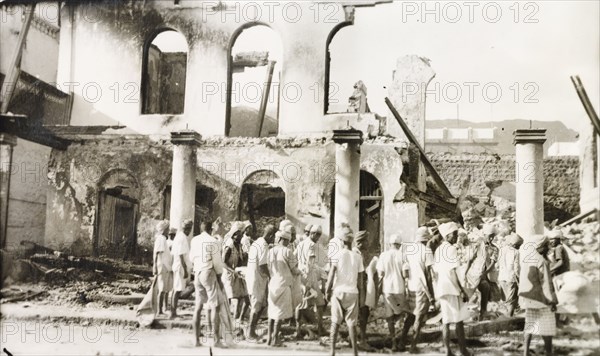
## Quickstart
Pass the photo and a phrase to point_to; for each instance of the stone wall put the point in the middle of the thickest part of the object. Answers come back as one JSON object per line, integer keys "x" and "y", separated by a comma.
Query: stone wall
{"x": 490, "y": 175}
{"x": 27, "y": 197}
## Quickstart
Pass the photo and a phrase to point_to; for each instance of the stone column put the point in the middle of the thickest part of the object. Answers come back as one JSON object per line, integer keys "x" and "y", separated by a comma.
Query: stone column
{"x": 530, "y": 181}
{"x": 7, "y": 142}
{"x": 183, "y": 179}
{"x": 347, "y": 160}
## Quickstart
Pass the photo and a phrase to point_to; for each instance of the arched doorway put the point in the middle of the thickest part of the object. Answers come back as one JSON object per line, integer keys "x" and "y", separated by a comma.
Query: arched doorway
{"x": 117, "y": 215}
{"x": 370, "y": 212}
{"x": 262, "y": 200}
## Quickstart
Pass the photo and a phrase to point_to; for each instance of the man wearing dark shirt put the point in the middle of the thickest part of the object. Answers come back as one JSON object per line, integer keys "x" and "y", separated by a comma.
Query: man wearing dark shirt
{"x": 558, "y": 254}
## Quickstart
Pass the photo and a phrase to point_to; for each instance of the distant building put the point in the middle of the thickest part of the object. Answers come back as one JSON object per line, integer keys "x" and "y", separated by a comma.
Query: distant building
{"x": 468, "y": 140}
{"x": 559, "y": 149}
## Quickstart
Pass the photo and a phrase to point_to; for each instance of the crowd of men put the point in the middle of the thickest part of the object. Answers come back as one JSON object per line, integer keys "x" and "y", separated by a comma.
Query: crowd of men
{"x": 296, "y": 279}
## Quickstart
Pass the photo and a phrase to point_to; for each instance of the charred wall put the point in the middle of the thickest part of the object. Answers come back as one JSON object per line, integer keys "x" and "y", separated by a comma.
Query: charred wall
{"x": 305, "y": 169}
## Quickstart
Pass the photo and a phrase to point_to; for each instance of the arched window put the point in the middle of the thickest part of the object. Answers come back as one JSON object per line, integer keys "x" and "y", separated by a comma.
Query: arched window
{"x": 253, "y": 82}
{"x": 164, "y": 73}
{"x": 338, "y": 70}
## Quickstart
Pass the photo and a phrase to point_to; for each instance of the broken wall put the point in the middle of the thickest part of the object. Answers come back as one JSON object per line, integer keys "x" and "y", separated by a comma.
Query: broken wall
{"x": 493, "y": 175}
{"x": 107, "y": 87}
{"x": 75, "y": 176}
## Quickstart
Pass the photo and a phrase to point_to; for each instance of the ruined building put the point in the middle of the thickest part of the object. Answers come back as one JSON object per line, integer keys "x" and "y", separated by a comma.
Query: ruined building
{"x": 146, "y": 133}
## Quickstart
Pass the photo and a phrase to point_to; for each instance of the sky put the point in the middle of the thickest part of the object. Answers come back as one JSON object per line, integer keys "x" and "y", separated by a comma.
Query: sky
{"x": 526, "y": 49}
{"x": 493, "y": 60}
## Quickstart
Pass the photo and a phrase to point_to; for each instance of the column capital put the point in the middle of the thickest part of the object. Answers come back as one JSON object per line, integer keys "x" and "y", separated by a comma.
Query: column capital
{"x": 185, "y": 137}
{"x": 529, "y": 136}
{"x": 348, "y": 135}
{"x": 8, "y": 139}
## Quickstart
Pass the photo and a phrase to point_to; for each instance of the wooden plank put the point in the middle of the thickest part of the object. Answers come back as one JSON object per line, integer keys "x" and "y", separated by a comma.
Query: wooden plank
{"x": 438, "y": 202}
{"x": 424, "y": 158}
{"x": 251, "y": 59}
{"x": 265, "y": 96}
{"x": 587, "y": 104}
{"x": 578, "y": 217}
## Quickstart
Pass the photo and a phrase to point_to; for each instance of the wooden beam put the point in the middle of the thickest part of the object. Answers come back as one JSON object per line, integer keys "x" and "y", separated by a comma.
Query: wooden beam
{"x": 10, "y": 82}
{"x": 265, "y": 96}
{"x": 413, "y": 139}
{"x": 251, "y": 59}
{"x": 587, "y": 104}
{"x": 438, "y": 202}
{"x": 17, "y": 125}
{"x": 579, "y": 217}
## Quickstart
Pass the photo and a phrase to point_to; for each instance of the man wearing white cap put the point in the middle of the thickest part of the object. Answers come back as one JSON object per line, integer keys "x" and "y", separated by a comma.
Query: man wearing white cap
{"x": 481, "y": 270}
{"x": 342, "y": 288}
{"x": 335, "y": 245}
{"x": 536, "y": 293}
{"x": 449, "y": 291}
{"x": 311, "y": 246}
{"x": 419, "y": 260}
{"x": 162, "y": 264}
{"x": 257, "y": 277}
{"x": 205, "y": 255}
{"x": 283, "y": 267}
{"x": 306, "y": 235}
{"x": 389, "y": 267}
{"x": 509, "y": 269}
{"x": 559, "y": 258}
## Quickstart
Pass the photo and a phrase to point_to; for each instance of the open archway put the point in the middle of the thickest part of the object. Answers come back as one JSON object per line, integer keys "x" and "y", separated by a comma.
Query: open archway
{"x": 262, "y": 200}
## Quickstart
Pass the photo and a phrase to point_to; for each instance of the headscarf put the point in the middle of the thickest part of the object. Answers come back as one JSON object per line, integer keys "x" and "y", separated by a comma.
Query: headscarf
{"x": 395, "y": 239}
{"x": 316, "y": 228}
{"x": 344, "y": 233}
{"x": 161, "y": 226}
{"x": 422, "y": 234}
{"x": 447, "y": 228}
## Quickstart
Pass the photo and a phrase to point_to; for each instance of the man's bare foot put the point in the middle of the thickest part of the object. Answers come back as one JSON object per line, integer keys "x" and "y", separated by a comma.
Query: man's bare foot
{"x": 220, "y": 345}
{"x": 198, "y": 344}
{"x": 400, "y": 347}
{"x": 277, "y": 343}
{"x": 414, "y": 350}
{"x": 465, "y": 352}
{"x": 251, "y": 336}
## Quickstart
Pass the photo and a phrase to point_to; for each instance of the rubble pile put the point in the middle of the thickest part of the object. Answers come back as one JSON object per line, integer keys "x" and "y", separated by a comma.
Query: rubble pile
{"x": 583, "y": 240}
{"x": 490, "y": 209}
